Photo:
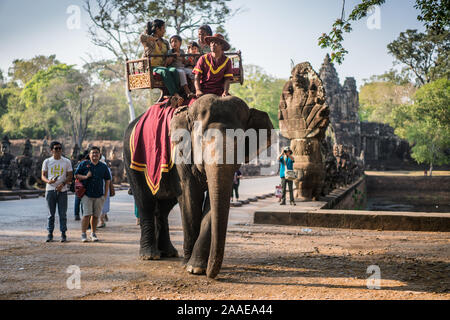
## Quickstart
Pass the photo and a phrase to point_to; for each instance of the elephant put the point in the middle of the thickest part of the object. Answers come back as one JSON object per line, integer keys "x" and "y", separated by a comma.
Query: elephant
{"x": 202, "y": 188}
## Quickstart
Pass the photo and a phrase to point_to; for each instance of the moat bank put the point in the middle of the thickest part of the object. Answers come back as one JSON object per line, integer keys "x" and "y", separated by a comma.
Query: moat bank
{"x": 407, "y": 191}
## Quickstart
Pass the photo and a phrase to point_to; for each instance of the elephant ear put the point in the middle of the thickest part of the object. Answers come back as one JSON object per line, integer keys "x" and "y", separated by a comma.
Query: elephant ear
{"x": 260, "y": 121}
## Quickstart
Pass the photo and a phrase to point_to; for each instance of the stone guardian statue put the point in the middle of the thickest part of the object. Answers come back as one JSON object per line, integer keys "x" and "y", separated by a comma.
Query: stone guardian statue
{"x": 303, "y": 115}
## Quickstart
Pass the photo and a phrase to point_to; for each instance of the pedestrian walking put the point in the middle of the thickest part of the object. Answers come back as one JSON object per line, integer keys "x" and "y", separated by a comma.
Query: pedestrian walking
{"x": 286, "y": 163}
{"x": 106, "y": 205}
{"x": 95, "y": 177}
{"x": 78, "y": 206}
{"x": 57, "y": 173}
{"x": 236, "y": 181}
{"x": 136, "y": 212}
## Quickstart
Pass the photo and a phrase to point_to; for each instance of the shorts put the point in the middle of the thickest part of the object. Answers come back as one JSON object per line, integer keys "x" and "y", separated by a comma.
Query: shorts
{"x": 92, "y": 206}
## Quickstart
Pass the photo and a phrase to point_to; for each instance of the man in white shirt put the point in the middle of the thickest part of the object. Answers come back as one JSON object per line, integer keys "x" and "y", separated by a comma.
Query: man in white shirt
{"x": 57, "y": 174}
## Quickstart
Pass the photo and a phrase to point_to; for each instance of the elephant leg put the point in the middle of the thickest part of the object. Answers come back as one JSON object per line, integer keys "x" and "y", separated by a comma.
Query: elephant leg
{"x": 148, "y": 244}
{"x": 199, "y": 259}
{"x": 163, "y": 236}
{"x": 191, "y": 202}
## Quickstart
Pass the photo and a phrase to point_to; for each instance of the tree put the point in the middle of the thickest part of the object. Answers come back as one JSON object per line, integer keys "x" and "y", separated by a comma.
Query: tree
{"x": 58, "y": 100}
{"x": 260, "y": 91}
{"x": 2, "y": 79}
{"x": 23, "y": 70}
{"x": 15, "y": 118}
{"x": 379, "y": 96}
{"x": 426, "y": 55}
{"x": 74, "y": 97}
{"x": 116, "y": 24}
{"x": 434, "y": 13}
{"x": 181, "y": 15}
{"x": 425, "y": 124}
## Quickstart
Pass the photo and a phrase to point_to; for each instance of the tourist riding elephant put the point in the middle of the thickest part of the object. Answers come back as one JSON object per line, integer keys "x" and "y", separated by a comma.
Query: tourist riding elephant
{"x": 204, "y": 216}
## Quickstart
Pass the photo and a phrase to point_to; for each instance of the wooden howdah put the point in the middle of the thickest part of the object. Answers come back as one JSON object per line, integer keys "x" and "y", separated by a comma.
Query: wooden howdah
{"x": 140, "y": 72}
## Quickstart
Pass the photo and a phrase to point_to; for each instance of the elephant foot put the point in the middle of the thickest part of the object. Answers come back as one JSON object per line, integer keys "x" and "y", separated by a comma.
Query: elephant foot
{"x": 149, "y": 254}
{"x": 195, "y": 270}
{"x": 196, "y": 266}
{"x": 168, "y": 250}
{"x": 170, "y": 253}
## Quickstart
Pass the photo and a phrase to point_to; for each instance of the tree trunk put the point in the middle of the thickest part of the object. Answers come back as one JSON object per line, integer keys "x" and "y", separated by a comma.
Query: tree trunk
{"x": 130, "y": 103}
{"x": 431, "y": 170}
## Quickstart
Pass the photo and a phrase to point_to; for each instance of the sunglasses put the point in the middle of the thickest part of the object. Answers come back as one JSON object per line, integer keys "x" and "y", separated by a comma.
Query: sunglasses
{"x": 57, "y": 148}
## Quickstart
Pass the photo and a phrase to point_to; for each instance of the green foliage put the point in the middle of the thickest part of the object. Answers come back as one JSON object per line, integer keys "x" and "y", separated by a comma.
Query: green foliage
{"x": 425, "y": 124}
{"x": 23, "y": 70}
{"x": 2, "y": 79}
{"x": 381, "y": 95}
{"x": 334, "y": 39}
{"x": 64, "y": 101}
{"x": 30, "y": 111}
{"x": 426, "y": 55}
{"x": 394, "y": 77}
{"x": 111, "y": 117}
{"x": 260, "y": 91}
{"x": 435, "y": 15}
{"x": 35, "y": 90}
{"x": 116, "y": 24}
{"x": 182, "y": 15}
{"x": 10, "y": 108}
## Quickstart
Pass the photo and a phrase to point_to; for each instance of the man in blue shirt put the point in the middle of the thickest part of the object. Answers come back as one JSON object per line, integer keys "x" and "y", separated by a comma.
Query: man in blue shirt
{"x": 286, "y": 162}
{"x": 96, "y": 178}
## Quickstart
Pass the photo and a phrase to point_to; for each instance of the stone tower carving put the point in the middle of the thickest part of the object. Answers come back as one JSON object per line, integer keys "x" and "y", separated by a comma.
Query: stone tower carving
{"x": 303, "y": 115}
{"x": 343, "y": 102}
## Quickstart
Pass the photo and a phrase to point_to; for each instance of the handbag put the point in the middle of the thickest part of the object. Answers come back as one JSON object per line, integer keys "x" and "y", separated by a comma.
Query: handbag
{"x": 289, "y": 174}
{"x": 80, "y": 189}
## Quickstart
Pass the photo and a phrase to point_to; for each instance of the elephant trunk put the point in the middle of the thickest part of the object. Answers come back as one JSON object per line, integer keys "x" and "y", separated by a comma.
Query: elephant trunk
{"x": 220, "y": 178}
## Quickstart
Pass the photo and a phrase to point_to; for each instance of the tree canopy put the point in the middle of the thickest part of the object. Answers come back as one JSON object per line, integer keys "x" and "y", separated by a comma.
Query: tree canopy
{"x": 61, "y": 100}
{"x": 425, "y": 124}
{"x": 380, "y": 96}
{"x": 23, "y": 70}
{"x": 116, "y": 24}
{"x": 435, "y": 14}
{"x": 425, "y": 55}
{"x": 260, "y": 91}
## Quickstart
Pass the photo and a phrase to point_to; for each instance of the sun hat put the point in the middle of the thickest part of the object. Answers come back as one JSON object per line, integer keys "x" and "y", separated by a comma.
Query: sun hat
{"x": 218, "y": 37}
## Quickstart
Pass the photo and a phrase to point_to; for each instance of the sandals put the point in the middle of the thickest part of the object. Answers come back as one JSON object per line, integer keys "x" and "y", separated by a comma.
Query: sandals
{"x": 101, "y": 226}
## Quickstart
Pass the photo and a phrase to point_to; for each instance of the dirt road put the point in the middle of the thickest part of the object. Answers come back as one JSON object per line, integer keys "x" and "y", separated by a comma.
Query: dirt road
{"x": 261, "y": 262}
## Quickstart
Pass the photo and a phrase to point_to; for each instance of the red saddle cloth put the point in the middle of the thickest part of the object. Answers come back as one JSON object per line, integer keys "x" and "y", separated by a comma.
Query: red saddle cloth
{"x": 150, "y": 144}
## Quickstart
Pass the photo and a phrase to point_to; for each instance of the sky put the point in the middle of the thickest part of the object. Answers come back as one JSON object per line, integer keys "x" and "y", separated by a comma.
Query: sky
{"x": 270, "y": 33}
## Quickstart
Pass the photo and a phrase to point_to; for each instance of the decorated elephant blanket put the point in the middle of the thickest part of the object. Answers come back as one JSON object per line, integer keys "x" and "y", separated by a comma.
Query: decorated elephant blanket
{"x": 150, "y": 144}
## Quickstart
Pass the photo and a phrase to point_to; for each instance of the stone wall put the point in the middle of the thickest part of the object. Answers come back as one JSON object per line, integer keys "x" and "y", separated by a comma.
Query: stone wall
{"x": 383, "y": 149}
{"x": 17, "y": 146}
{"x": 373, "y": 143}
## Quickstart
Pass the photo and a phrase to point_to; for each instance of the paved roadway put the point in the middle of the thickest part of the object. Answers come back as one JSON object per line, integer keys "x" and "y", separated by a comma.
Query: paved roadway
{"x": 29, "y": 217}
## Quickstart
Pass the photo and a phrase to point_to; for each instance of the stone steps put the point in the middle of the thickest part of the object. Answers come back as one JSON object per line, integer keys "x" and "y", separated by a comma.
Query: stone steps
{"x": 305, "y": 215}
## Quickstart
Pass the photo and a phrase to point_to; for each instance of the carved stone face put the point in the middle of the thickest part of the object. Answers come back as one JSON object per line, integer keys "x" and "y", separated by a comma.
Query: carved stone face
{"x": 338, "y": 150}
{"x": 27, "y": 151}
{"x": 5, "y": 148}
{"x": 303, "y": 112}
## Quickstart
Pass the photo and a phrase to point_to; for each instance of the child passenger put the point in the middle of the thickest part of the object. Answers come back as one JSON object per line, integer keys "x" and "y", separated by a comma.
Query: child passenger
{"x": 193, "y": 48}
{"x": 179, "y": 63}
